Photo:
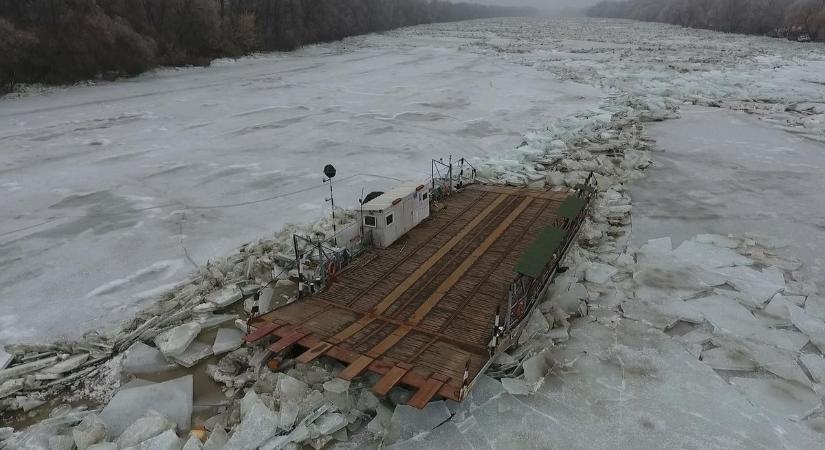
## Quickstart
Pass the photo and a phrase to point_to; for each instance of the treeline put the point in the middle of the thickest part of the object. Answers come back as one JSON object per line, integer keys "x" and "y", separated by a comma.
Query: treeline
{"x": 783, "y": 18}
{"x": 56, "y": 41}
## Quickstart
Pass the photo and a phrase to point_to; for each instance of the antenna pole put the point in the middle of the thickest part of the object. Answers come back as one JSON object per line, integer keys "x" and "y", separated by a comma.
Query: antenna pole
{"x": 332, "y": 202}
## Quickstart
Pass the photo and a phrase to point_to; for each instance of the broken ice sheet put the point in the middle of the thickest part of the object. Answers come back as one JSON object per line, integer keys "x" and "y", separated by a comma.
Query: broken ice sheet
{"x": 175, "y": 341}
{"x": 196, "y": 352}
{"x": 753, "y": 287}
{"x": 662, "y": 314}
{"x": 599, "y": 273}
{"x": 815, "y": 365}
{"x": 225, "y": 297}
{"x": 172, "y": 399}
{"x": 141, "y": 358}
{"x": 721, "y": 358}
{"x": 444, "y": 437}
{"x": 5, "y": 359}
{"x": 146, "y": 427}
{"x": 257, "y": 427}
{"x": 167, "y": 440}
{"x": 812, "y": 327}
{"x": 779, "y": 396}
{"x": 709, "y": 256}
{"x": 407, "y": 421}
{"x": 227, "y": 340}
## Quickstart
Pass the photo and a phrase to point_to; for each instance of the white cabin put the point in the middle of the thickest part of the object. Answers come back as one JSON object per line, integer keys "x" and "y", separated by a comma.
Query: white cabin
{"x": 392, "y": 214}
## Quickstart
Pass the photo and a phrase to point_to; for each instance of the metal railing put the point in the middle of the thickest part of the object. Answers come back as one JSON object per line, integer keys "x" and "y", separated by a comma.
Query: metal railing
{"x": 319, "y": 259}
{"x": 525, "y": 291}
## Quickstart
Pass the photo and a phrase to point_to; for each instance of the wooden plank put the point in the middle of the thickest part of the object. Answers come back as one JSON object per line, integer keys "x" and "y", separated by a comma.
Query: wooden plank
{"x": 391, "y": 378}
{"x": 287, "y": 340}
{"x": 355, "y": 368}
{"x": 313, "y": 352}
{"x": 262, "y": 331}
{"x": 424, "y": 394}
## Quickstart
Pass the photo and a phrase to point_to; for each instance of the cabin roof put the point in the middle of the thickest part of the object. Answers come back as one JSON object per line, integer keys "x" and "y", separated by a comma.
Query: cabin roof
{"x": 385, "y": 200}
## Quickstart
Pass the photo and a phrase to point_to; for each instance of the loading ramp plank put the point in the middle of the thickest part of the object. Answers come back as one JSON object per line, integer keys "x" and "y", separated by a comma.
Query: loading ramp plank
{"x": 420, "y": 313}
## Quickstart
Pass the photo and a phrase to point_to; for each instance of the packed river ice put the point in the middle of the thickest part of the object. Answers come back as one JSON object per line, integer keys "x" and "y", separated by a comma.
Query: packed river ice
{"x": 703, "y": 328}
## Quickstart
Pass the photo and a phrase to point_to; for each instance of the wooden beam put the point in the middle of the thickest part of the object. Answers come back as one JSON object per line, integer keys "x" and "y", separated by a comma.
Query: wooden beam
{"x": 313, "y": 352}
{"x": 391, "y": 378}
{"x": 424, "y": 394}
{"x": 261, "y": 332}
{"x": 285, "y": 341}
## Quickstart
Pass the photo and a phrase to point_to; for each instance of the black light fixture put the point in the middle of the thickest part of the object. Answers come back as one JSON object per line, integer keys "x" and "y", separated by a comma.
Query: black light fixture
{"x": 329, "y": 171}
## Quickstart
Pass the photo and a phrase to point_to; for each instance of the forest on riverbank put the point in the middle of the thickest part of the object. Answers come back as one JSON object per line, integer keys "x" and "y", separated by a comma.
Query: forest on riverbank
{"x": 780, "y": 18}
{"x": 60, "y": 41}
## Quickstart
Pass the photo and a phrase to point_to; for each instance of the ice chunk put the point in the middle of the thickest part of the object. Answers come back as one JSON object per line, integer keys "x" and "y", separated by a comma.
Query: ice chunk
{"x": 780, "y": 396}
{"x": 172, "y": 399}
{"x": 103, "y": 446}
{"x": 291, "y": 389}
{"x": 227, "y": 340}
{"x": 67, "y": 365}
{"x": 193, "y": 443}
{"x": 662, "y": 314}
{"x": 661, "y": 245}
{"x": 214, "y": 320}
{"x": 536, "y": 367}
{"x": 225, "y": 297}
{"x": 249, "y": 400}
{"x": 5, "y": 359}
{"x": 266, "y": 300}
{"x": 407, "y": 421}
{"x": 719, "y": 240}
{"x": 330, "y": 423}
{"x": 167, "y": 440}
{"x": 754, "y": 289}
{"x": 9, "y": 387}
{"x": 175, "y": 341}
{"x": 61, "y": 442}
{"x": 287, "y": 415}
{"x": 196, "y": 352}
{"x": 259, "y": 424}
{"x": 90, "y": 430}
{"x": 812, "y": 327}
{"x": 723, "y": 359}
{"x": 141, "y": 358}
{"x": 146, "y": 427}
{"x": 536, "y": 324}
{"x": 726, "y": 315}
{"x": 516, "y": 386}
{"x": 709, "y": 256}
{"x": 815, "y": 365}
{"x": 776, "y": 313}
{"x": 815, "y": 306}
{"x": 217, "y": 439}
{"x": 446, "y": 436}
{"x": 336, "y": 391}
{"x": 599, "y": 273}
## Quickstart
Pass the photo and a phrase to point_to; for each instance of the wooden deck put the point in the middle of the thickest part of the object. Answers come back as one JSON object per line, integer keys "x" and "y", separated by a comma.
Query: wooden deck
{"x": 421, "y": 311}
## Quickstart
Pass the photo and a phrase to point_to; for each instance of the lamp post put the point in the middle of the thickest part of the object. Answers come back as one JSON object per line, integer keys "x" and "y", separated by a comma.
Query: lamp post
{"x": 329, "y": 171}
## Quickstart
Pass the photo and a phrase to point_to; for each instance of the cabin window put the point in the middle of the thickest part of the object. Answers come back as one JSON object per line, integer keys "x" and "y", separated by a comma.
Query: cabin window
{"x": 389, "y": 219}
{"x": 369, "y": 221}
{"x": 424, "y": 197}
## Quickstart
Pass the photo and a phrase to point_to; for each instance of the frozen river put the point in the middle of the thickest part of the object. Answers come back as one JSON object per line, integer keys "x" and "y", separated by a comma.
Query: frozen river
{"x": 112, "y": 193}
{"x": 106, "y": 189}
{"x": 724, "y": 172}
